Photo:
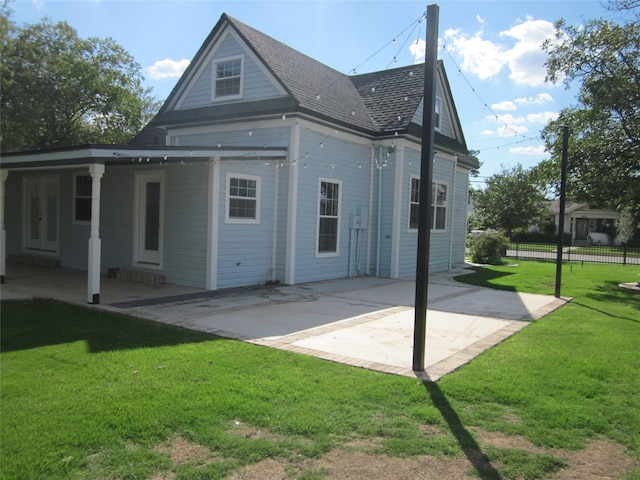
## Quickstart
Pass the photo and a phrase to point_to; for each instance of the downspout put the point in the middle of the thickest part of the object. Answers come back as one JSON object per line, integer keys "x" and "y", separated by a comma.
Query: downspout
{"x": 370, "y": 209}
{"x": 274, "y": 238}
{"x": 453, "y": 210}
{"x": 379, "y": 208}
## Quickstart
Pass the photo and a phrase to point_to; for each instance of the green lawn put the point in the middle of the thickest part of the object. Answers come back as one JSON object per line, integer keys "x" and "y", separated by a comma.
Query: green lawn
{"x": 88, "y": 394}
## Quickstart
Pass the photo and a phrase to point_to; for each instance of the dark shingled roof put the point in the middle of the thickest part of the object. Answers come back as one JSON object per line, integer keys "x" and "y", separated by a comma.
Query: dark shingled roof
{"x": 391, "y": 96}
{"x": 377, "y": 104}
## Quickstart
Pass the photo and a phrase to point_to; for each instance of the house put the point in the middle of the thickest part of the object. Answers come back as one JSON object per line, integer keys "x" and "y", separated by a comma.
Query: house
{"x": 263, "y": 165}
{"x": 586, "y": 225}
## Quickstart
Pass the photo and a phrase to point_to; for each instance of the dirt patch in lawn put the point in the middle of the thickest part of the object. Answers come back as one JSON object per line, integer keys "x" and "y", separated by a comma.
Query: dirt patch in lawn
{"x": 360, "y": 459}
{"x": 356, "y": 460}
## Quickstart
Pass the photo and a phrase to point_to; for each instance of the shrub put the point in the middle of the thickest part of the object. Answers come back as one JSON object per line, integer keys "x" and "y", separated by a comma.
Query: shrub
{"x": 488, "y": 248}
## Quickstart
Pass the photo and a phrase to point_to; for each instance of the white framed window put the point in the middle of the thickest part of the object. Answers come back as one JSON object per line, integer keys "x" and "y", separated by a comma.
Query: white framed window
{"x": 329, "y": 193}
{"x": 82, "y": 191}
{"x": 228, "y": 78}
{"x": 243, "y": 199}
{"x": 438, "y": 205}
{"x": 438, "y": 113}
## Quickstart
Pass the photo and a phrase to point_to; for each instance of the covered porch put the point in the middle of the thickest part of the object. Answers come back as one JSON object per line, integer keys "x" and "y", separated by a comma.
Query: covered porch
{"x": 39, "y": 229}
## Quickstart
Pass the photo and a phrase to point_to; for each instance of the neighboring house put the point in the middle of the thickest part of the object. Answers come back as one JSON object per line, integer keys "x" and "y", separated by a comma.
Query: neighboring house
{"x": 263, "y": 165}
{"x": 587, "y": 225}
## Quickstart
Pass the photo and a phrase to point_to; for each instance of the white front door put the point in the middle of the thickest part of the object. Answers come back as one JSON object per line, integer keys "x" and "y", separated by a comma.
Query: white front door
{"x": 148, "y": 218}
{"x": 41, "y": 214}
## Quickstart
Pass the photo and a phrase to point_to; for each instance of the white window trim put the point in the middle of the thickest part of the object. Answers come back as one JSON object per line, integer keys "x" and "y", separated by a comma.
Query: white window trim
{"x": 73, "y": 202}
{"x": 433, "y": 220}
{"x": 214, "y": 78}
{"x": 140, "y": 178}
{"x": 234, "y": 220}
{"x": 340, "y": 194}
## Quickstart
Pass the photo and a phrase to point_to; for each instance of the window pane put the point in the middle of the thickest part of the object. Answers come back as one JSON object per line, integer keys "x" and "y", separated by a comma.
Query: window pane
{"x": 441, "y": 218}
{"x": 328, "y": 236}
{"x": 228, "y": 77}
{"x": 152, "y": 217}
{"x": 243, "y": 198}
{"x": 328, "y": 221}
{"x": 83, "y": 209}
{"x": 441, "y": 194}
{"x": 415, "y": 190}
{"x": 83, "y": 185}
{"x": 413, "y": 216}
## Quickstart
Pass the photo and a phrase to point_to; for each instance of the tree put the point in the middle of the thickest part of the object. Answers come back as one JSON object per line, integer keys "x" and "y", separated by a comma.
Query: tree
{"x": 60, "y": 90}
{"x": 510, "y": 201}
{"x": 604, "y": 144}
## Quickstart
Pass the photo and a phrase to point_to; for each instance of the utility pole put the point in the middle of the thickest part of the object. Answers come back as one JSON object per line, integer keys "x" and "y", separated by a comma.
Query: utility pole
{"x": 426, "y": 178}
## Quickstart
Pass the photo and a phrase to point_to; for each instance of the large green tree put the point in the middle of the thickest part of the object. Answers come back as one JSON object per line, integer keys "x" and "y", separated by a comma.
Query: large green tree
{"x": 603, "y": 57}
{"x": 59, "y": 89}
{"x": 510, "y": 201}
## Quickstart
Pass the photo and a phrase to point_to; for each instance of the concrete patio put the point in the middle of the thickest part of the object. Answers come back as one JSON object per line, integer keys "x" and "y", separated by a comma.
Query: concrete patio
{"x": 363, "y": 321}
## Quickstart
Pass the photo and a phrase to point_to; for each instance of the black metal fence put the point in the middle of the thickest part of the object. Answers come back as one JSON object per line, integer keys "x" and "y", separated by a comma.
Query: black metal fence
{"x": 594, "y": 253}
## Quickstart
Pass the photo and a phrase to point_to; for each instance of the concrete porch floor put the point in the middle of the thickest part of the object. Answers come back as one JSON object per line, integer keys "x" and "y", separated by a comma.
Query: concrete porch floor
{"x": 363, "y": 321}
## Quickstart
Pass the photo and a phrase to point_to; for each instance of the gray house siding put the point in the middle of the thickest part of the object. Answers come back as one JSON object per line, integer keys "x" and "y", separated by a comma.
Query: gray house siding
{"x": 337, "y": 161}
{"x": 185, "y": 224}
{"x": 245, "y": 251}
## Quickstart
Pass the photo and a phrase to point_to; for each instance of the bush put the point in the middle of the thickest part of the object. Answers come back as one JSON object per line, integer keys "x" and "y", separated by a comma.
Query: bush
{"x": 488, "y": 248}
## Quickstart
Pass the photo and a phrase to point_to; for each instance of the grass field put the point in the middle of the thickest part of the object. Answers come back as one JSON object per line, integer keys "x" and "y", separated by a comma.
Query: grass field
{"x": 88, "y": 394}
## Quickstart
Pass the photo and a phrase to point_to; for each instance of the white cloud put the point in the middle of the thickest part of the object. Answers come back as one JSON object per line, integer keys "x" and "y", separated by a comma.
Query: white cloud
{"x": 537, "y": 100}
{"x": 168, "y": 68}
{"x": 487, "y": 132}
{"x": 418, "y": 49}
{"x": 542, "y": 117}
{"x": 525, "y": 58}
{"x": 480, "y": 19}
{"x": 483, "y": 58}
{"x": 504, "y": 106}
{"x": 539, "y": 150}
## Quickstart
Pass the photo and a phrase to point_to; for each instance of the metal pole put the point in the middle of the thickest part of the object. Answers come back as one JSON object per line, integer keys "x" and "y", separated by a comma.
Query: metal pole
{"x": 426, "y": 178}
{"x": 563, "y": 191}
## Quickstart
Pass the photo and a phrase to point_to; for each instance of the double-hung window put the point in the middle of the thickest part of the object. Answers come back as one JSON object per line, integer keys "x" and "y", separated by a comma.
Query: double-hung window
{"x": 82, "y": 188}
{"x": 228, "y": 78}
{"x": 243, "y": 199}
{"x": 438, "y": 205}
{"x": 328, "y": 217}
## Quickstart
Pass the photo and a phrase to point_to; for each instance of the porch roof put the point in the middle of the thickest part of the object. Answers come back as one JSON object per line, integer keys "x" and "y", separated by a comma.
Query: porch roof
{"x": 126, "y": 154}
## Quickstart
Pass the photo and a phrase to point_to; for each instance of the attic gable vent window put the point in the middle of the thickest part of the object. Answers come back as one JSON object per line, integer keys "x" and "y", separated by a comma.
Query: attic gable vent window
{"x": 228, "y": 78}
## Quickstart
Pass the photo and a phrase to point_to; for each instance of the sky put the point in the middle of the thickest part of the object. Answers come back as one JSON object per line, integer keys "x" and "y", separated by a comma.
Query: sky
{"x": 491, "y": 50}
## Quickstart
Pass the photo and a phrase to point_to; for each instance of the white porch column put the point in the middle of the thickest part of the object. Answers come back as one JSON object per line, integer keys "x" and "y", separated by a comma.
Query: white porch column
{"x": 93, "y": 281}
{"x": 3, "y": 234}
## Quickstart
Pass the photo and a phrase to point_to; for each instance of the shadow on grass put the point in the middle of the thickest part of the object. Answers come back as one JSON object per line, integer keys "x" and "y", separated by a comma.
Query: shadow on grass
{"x": 38, "y": 323}
{"x": 484, "y": 277}
{"x": 467, "y": 443}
